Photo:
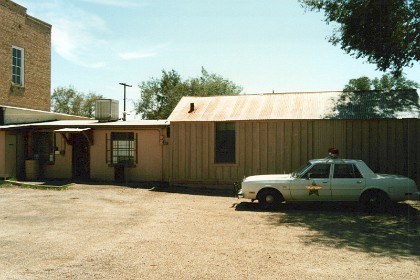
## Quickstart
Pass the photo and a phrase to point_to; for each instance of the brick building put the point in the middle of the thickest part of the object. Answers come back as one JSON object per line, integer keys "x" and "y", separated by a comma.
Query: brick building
{"x": 25, "y": 58}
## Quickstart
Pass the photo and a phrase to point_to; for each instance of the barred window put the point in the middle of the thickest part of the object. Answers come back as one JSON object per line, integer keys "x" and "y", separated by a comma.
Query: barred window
{"x": 123, "y": 148}
{"x": 43, "y": 146}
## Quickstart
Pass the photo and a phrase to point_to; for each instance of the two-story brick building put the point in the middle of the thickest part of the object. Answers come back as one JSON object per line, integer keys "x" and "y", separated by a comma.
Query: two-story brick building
{"x": 25, "y": 58}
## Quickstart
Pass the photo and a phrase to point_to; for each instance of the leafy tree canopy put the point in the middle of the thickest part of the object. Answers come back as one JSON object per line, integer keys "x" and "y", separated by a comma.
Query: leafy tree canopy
{"x": 69, "y": 101}
{"x": 386, "y": 83}
{"x": 386, "y": 32}
{"x": 385, "y": 97}
{"x": 159, "y": 96}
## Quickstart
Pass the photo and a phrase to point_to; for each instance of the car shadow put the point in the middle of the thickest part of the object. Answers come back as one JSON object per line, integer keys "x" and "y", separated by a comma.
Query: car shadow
{"x": 395, "y": 233}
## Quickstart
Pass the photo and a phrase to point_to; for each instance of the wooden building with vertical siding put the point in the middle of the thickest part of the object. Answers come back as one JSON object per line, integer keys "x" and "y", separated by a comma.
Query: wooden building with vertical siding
{"x": 216, "y": 141}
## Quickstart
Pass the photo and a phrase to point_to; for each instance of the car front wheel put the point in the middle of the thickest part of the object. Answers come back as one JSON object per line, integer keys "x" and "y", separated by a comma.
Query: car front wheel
{"x": 269, "y": 199}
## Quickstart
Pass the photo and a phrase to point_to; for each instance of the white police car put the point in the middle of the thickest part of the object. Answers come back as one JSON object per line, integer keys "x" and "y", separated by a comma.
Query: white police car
{"x": 330, "y": 179}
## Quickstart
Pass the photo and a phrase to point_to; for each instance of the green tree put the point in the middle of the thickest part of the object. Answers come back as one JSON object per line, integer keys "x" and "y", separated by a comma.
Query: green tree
{"x": 362, "y": 83}
{"x": 69, "y": 101}
{"x": 89, "y": 103}
{"x": 158, "y": 97}
{"x": 386, "y": 83}
{"x": 383, "y": 97}
{"x": 385, "y": 32}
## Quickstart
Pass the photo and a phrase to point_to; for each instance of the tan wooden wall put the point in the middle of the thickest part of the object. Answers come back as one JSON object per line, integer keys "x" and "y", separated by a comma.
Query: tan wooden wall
{"x": 280, "y": 146}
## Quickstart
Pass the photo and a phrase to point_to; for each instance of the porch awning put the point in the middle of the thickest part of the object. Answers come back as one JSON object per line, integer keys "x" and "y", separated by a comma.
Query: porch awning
{"x": 87, "y": 132}
{"x": 74, "y": 130}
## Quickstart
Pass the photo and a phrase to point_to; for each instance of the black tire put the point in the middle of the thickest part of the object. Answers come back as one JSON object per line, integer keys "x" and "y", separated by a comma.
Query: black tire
{"x": 269, "y": 199}
{"x": 375, "y": 201}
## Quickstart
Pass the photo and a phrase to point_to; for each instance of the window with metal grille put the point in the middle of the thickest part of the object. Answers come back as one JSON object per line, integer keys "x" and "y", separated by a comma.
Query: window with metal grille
{"x": 43, "y": 146}
{"x": 18, "y": 66}
{"x": 122, "y": 148}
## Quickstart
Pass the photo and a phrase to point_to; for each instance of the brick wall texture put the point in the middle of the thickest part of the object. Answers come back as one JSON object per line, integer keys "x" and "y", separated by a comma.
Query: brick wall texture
{"x": 34, "y": 36}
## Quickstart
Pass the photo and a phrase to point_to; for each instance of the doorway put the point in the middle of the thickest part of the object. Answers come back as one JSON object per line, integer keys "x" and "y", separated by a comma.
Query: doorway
{"x": 11, "y": 152}
{"x": 81, "y": 157}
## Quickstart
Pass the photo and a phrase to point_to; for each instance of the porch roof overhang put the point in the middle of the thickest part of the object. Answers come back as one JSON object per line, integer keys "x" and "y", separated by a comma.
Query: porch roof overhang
{"x": 87, "y": 132}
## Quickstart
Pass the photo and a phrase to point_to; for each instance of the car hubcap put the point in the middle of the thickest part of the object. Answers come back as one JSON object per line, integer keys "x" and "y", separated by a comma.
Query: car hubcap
{"x": 269, "y": 198}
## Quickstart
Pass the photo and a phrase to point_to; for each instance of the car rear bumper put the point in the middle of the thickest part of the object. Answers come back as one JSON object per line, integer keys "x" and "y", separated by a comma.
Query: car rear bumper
{"x": 413, "y": 196}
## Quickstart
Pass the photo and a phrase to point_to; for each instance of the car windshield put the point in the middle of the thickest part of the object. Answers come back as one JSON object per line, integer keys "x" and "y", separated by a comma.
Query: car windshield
{"x": 300, "y": 170}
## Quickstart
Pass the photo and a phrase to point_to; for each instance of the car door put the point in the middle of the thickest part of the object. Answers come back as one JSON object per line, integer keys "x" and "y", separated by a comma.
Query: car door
{"x": 347, "y": 182}
{"x": 313, "y": 185}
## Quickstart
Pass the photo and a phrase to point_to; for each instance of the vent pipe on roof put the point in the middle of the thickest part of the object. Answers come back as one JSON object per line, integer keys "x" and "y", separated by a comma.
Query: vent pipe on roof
{"x": 191, "y": 108}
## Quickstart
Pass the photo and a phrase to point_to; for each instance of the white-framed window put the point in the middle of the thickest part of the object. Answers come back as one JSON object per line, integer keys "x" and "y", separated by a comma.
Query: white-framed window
{"x": 18, "y": 59}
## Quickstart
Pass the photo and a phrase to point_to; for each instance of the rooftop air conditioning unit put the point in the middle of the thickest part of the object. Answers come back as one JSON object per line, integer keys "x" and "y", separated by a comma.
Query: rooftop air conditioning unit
{"x": 106, "y": 110}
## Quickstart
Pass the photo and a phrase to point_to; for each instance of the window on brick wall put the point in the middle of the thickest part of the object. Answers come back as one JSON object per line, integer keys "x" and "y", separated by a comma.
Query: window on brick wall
{"x": 18, "y": 66}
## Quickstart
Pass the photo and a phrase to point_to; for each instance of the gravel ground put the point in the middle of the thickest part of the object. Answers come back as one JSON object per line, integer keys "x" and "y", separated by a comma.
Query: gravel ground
{"x": 117, "y": 232}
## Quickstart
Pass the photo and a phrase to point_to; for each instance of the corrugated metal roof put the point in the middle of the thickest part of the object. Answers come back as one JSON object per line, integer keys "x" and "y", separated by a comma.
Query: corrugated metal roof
{"x": 312, "y": 105}
{"x": 301, "y": 105}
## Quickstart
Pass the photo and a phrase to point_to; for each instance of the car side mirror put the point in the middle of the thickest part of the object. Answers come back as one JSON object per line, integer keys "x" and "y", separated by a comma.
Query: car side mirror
{"x": 308, "y": 176}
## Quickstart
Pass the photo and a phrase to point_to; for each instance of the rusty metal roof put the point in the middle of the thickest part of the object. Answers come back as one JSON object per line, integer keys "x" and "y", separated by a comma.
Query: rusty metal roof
{"x": 301, "y": 105}
{"x": 313, "y": 105}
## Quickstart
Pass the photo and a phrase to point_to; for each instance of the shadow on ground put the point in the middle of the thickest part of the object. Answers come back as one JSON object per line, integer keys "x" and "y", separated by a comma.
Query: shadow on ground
{"x": 194, "y": 191}
{"x": 152, "y": 186}
{"x": 395, "y": 233}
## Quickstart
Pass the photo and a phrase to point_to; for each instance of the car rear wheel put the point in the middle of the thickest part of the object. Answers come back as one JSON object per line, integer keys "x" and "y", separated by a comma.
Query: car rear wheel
{"x": 269, "y": 199}
{"x": 375, "y": 201}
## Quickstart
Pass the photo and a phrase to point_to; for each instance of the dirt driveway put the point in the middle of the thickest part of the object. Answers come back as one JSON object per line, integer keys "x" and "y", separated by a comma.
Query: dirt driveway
{"x": 115, "y": 232}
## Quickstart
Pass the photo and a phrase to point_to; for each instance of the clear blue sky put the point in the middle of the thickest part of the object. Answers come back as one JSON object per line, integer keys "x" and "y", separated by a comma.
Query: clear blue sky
{"x": 260, "y": 45}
